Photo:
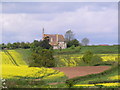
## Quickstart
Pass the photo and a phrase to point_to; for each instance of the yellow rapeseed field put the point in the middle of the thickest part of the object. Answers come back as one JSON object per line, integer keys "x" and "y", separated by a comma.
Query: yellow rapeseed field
{"x": 104, "y": 84}
{"x": 73, "y": 60}
{"x": 116, "y": 77}
{"x": 17, "y": 57}
{"x": 10, "y": 70}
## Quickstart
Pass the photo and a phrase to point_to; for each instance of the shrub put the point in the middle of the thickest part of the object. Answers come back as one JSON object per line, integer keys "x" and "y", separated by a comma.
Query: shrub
{"x": 69, "y": 83}
{"x": 87, "y": 57}
{"x": 72, "y": 47}
{"x": 96, "y": 60}
{"x": 91, "y": 59}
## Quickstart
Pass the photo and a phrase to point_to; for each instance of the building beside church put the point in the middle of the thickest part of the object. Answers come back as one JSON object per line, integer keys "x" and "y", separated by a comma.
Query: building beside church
{"x": 55, "y": 40}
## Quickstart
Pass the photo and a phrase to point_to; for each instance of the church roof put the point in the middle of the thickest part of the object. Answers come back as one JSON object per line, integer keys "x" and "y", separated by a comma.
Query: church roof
{"x": 55, "y": 38}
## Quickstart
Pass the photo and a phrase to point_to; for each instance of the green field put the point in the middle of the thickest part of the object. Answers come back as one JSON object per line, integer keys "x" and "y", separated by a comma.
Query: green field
{"x": 15, "y": 65}
{"x": 94, "y": 49}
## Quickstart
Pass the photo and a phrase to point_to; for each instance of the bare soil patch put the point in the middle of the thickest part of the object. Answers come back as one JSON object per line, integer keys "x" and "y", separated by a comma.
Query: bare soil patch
{"x": 72, "y": 72}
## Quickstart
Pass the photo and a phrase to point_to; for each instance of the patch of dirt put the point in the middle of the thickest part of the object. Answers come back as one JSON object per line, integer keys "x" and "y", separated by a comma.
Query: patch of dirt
{"x": 72, "y": 72}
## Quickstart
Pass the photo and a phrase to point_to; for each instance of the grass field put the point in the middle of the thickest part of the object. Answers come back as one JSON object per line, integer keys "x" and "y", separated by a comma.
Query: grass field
{"x": 94, "y": 49}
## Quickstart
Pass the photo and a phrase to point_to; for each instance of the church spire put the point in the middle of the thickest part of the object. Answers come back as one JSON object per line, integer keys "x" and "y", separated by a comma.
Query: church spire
{"x": 43, "y": 30}
{"x": 43, "y": 33}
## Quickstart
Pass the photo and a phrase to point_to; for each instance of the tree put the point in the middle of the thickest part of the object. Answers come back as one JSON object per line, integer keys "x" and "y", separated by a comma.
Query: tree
{"x": 45, "y": 43}
{"x": 74, "y": 42}
{"x": 42, "y": 54}
{"x": 42, "y": 58}
{"x": 69, "y": 35}
{"x": 3, "y": 46}
{"x": 9, "y": 45}
{"x": 85, "y": 41}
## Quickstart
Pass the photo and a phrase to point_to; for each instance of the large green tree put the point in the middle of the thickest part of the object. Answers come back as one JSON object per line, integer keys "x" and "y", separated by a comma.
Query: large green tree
{"x": 42, "y": 54}
{"x": 42, "y": 58}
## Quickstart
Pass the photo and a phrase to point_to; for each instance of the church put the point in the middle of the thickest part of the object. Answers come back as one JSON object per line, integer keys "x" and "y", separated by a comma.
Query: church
{"x": 55, "y": 40}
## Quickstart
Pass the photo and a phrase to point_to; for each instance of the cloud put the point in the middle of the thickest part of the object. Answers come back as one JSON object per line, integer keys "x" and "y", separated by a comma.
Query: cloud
{"x": 55, "y": 7}
{"x": 84, "y": 21}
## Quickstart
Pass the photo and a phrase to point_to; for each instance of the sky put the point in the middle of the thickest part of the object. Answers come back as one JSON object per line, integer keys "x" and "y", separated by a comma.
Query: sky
{"x": 24, "y": 21}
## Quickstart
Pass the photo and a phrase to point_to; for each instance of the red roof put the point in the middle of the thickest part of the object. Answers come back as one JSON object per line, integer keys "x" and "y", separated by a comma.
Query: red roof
{"x": 55, "y": 38}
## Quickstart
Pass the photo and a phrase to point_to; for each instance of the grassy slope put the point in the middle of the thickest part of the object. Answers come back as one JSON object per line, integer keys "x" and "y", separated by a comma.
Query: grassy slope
{"x": 25, "y": 53}
{"x": 94, "y": 49}
{"x": 101, "y": 49}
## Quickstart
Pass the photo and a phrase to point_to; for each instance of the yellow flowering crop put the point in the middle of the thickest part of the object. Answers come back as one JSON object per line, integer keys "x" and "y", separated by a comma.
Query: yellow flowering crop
{"x": 9, "y": 71}
{"x": 104, "y": 84}
{"x": 18, "y": 58}
{"x": 116, "y": 77}
{"x": 109, "y": 58}
{"x": 6, "y": 58}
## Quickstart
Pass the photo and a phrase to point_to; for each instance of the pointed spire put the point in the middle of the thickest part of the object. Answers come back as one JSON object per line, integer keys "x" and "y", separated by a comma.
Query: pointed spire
{"x": 43, "y": 30}
{"x": 43, "y": 34}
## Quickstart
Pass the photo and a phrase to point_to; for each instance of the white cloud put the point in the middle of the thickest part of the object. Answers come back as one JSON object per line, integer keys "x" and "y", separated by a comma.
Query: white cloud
{"x": 27, "y": 27}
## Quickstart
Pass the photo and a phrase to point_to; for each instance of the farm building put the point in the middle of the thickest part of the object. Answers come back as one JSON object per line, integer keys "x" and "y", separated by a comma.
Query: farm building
{"x": 56, "y": 40}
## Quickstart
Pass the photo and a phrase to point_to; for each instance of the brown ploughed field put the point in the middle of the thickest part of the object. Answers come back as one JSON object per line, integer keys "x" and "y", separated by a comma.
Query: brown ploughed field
{"x": 72, "y": 72}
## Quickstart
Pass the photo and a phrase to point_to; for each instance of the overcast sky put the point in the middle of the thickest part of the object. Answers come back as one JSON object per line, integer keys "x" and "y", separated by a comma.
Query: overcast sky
{"x": 96, "y": 21}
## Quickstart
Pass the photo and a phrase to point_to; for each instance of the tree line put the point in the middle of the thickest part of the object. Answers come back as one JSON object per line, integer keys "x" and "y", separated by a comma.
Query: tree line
{"x": 15, "y": 45}
{"x": 69, "y": 39}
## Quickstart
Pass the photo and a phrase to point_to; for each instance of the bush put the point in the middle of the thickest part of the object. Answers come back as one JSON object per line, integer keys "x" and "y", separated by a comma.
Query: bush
{"x": 96, "y": 60}
{"x": 72, "y": 47}
{"x": 69, "y": 83}
{"x": 87, "y": 57}
{"x": 91, "y": 59}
